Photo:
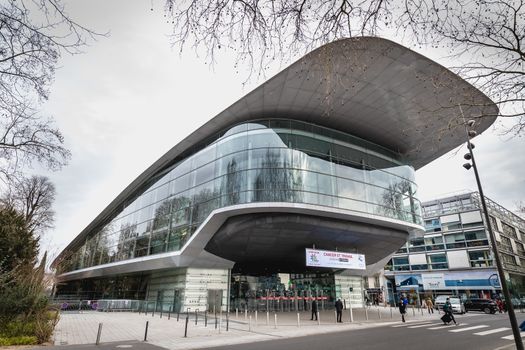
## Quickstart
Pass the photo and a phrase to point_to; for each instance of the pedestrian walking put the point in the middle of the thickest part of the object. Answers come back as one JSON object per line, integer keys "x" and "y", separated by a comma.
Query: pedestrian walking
{"x": 402, "y": 309}
{"x": 499, "y": 303}
{"x": 339, "y": 310}
{"x": 367, "y": 301}
{"x": 314, "y": 309}
{"x": 430, "y": 306}
{"x": 448, "y": 316}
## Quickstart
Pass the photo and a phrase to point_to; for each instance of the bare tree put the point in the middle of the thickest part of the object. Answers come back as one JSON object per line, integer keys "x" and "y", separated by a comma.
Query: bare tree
{"x": 33, "y": 35}
{"x": 26, "y": 137}
{"x": 484, "y": 38}
{"x": 33, "y": 197}
{"x": 521, "y": 208}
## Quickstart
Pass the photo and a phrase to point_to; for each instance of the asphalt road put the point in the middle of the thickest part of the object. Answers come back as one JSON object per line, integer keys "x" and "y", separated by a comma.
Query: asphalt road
{"x": 417, "y": 335}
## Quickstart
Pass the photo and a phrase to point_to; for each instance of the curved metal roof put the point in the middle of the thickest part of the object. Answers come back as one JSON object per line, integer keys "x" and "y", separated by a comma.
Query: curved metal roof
{"x": 369, "y": 87}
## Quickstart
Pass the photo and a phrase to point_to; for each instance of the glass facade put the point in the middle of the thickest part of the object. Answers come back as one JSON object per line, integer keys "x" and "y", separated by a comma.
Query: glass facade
{"x": 271, "y": 160}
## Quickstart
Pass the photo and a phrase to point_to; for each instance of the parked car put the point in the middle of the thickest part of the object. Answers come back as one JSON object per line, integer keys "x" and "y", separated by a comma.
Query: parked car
{"x": 457, "y": 305}
{"x": 488, "y": 306}
{"x": 516, "y": 302}
{"x": 440, "y": 301}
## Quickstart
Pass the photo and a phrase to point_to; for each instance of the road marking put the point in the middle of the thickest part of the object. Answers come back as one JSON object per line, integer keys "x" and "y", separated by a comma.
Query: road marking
{"x": 424, "y": 325}
{"x": 408, "y": 324}
{"x": 490, "y": 331}
{"x": 468, "y": 328}
{"x": 446, "y": 326}
{"x": 511, "y": 337}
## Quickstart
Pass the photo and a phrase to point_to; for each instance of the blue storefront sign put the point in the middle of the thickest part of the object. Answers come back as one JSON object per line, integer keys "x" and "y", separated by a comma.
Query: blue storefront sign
{"x": 452, "y": 280}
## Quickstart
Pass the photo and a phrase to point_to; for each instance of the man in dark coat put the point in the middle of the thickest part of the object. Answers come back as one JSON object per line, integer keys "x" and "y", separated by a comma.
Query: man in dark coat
{"x": 339, "y": 309}
{"x": 314, "y": 309}
{"x": 402, "y": 309}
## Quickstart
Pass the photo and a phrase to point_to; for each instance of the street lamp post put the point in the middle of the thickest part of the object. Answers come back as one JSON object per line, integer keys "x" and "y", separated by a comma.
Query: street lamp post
{"x": 470, "y": 156}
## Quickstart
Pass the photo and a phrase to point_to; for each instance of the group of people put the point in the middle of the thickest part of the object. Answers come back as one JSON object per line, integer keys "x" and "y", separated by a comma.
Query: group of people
{"x": 338, "y": 309}
{"x": 429, "y": 305}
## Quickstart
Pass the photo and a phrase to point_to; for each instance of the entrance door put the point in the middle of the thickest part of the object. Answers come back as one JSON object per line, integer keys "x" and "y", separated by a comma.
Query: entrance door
{"x": 160, "y": 300}
{"x": 177, "y": 300}
{"x": 214, "y": 300}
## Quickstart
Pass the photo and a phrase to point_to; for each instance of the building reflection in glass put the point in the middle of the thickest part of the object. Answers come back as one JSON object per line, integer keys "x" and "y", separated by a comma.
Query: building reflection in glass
{"x": 273, "y": 160}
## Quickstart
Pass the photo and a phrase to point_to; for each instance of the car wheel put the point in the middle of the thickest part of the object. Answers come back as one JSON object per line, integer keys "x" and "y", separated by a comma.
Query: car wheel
{"x": 487, "y": 310}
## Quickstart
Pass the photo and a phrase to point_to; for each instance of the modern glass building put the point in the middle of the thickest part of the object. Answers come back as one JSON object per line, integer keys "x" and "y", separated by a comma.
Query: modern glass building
{"x": 322, "y": 155}
{"x": 455, "y": 256}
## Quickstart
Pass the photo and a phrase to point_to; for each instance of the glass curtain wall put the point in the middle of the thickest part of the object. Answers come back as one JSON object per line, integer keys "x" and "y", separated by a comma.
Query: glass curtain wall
{"x": 274, "y": 160}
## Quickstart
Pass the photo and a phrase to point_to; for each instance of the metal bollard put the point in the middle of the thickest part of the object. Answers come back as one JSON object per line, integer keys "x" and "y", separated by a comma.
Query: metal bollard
{"x": 366, "y": 313}
{"x": 196, "y": 316}
{"x": 256, "y": 320}
{"x": 169, "y": 313}
{"x": 250, "y": 324}
{"x": 351, "y": 312}
{"x": 186, "y": 326}
{"x": 236, "y": 313}
{"x": 267, "y": 318}
{"x": 99, "y": 333}
{"x": 275, "y": 321}
{"x": 245, "y": 314}
{"x": 344, "y": 304}
{"x": 146, "y": 331}
{"x": 205, "y": 318}
{"x": 298, "y": 320}
{"x": 413, "y": 311}
{"x": 335, "y": 314}
{"x": 318, "y": 319}
{"x": 227, "y": 321}
{"x": 215, "y": 320}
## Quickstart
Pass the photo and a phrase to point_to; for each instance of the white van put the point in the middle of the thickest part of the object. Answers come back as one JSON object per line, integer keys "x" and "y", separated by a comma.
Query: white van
{"x": 457, "y": 304}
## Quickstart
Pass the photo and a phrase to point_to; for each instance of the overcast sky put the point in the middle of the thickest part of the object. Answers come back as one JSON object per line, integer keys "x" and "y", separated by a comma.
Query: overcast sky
{"x": 131, "y": 97}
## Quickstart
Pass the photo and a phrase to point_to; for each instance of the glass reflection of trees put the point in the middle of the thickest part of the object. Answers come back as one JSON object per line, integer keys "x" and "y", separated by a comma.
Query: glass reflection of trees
{"x": 266, "y": 161}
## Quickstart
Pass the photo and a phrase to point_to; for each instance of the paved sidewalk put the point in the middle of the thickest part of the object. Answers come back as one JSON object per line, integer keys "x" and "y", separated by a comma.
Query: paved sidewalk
{"x": 81, "y": 328}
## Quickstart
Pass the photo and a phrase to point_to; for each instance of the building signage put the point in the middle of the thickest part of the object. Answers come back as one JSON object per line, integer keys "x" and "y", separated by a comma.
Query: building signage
{"x": 340, "y": 260}
{"x": 449, "y": 280}
{"x": 433, "y": 281}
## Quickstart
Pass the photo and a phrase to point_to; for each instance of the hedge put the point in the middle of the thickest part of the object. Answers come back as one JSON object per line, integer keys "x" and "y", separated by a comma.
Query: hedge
{"x": 22, "y": 340}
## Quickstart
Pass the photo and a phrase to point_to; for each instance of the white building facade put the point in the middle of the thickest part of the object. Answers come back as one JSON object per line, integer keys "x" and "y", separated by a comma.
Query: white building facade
{"x": 455, "y": 257}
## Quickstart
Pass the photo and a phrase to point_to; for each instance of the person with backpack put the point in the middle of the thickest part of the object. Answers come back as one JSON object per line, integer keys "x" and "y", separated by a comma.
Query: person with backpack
{"x": 448, "y": 316}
